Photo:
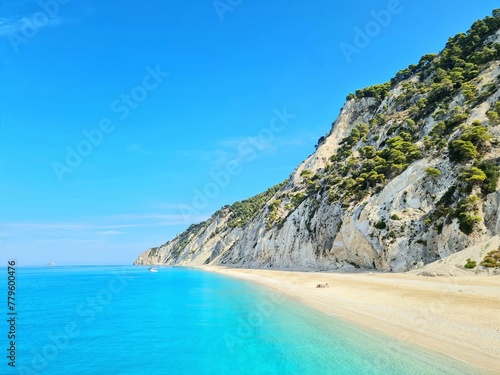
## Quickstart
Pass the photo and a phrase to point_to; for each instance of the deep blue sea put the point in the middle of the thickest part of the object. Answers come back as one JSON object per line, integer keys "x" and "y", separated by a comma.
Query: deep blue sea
{"x": 126, "y": 320}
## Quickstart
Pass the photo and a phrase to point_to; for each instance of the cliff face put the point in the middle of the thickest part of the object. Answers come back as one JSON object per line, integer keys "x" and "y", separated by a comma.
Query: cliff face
{"x": 407, "y": 175}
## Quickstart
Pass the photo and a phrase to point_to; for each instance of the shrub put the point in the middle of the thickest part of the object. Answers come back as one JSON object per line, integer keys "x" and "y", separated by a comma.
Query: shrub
{"x": 466, "y": 214}
{"x": 274, "y": 205}
{"x": 420, "y": 108}
{"x": 246, "y": 210}
{"x": 449, "y": 197}
{"x": 439, "y": 115}
{"x": 470, "y": 264}
{"x": 432, "y": 172}
{"x": 435, "y": 135}
{"x": 307, "y": 174}
{"x": 473, "y": 175}
{"x": 468, "y": 222}
{"x": 298, "y": 198}
{"x": 395, "y": 217}
{"x": 398, "y": 154}
{"x": 492, "y": 117}
{"x": 368, "y": 152}
{"x": 477, "y": 134}
{"x": 273, "y": 212}
{"x": 376, "y": 91}
{"x": 357, "y": 133}
{"x": 489, "y": 88}
{"x": 321, "y": 140}
{"x": 492, "y": 259}
{"x": 440, "y": 91}
{"x": 438, "y": 129}
{"x": 470, "y": 91}
{"x": 410, "y": 125}
{"x": 381, "y": 225}
{"x": 456, "y": 120}
{"x": 491, "y": 171}
{"x": 461, "y": 150}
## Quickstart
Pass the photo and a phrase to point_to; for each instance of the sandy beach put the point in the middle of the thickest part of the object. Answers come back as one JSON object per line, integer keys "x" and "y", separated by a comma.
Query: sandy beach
{"x": 455, "y": 316}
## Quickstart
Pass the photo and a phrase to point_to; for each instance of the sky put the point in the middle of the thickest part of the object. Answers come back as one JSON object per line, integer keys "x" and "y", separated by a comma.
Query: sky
{"x": 123, "y": 122}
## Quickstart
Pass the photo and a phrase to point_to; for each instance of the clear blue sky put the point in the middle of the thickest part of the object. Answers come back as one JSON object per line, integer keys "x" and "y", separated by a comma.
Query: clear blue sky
{"x": 101, "y": 67}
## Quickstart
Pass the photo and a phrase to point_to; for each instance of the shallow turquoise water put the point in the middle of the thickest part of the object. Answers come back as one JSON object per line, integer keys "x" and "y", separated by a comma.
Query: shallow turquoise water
{"x": 125, "y": 320}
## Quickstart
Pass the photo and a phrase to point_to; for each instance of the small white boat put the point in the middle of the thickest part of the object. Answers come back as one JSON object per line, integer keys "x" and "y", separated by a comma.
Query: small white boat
{"x": 152, "y": 269}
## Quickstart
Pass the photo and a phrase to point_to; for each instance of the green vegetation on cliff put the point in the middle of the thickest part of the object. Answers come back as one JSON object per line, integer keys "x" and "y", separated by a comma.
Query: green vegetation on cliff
{"x": 443, "y": 110}
{"x": 245, "y": 211}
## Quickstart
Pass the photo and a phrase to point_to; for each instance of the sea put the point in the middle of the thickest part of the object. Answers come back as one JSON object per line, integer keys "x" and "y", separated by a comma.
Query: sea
{"x": 124, "y": 320}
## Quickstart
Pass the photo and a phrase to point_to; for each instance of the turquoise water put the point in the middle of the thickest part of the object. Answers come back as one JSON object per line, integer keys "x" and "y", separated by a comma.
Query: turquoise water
{"x": 125, "y": 320}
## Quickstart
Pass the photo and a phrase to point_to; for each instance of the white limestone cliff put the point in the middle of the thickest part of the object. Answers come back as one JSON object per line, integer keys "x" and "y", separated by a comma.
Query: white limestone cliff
{"x": 321, "y": 234}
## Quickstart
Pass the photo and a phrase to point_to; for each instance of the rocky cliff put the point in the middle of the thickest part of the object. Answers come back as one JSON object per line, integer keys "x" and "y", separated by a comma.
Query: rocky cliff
{"x": 406, "y": 176}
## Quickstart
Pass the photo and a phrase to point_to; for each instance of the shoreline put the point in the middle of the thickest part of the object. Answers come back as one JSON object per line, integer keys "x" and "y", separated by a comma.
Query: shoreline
{"x": 457, "y": 317}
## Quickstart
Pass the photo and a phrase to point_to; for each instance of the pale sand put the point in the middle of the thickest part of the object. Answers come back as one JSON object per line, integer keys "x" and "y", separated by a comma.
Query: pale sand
{"x": 455, "y": 316}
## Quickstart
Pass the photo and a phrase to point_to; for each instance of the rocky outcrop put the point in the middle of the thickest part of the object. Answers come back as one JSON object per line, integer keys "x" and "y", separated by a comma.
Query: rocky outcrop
{"x": 366, "y": 197}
